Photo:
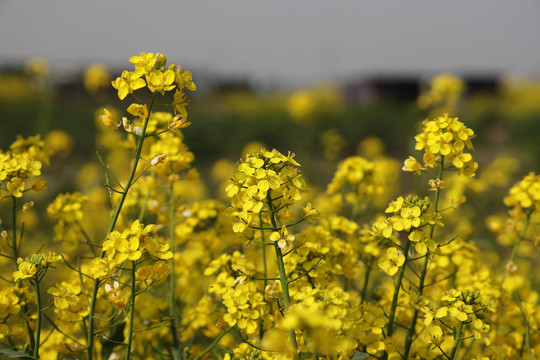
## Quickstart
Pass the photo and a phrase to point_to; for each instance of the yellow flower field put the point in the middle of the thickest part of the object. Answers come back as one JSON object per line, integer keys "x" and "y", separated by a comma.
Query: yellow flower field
{"x": 140, "y": 262}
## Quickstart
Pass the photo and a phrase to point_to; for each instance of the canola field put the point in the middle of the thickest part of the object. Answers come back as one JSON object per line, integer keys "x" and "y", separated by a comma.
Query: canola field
{"x": 358, "y": 253}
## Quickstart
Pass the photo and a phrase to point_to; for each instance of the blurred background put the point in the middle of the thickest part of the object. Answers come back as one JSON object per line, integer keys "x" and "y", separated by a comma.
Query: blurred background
{"x": 322, "y": 79}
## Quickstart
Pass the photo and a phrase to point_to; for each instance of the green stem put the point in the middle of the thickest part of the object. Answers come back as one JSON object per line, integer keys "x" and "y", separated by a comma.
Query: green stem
{"x": 467, "y": 349}
{"x": 265, "y": 266}
{"x": 131, "y": 311}
{"x": 265, "y": 269}
{"x": 356, "y": 205}
{"x": 284, "y": 289}
{"x": 172, "y": 278}
{"x": 520, "y": 237}
{"x": 410, "y": 332}
{"x": 16, "y": 248}
{"x": 281, "y": 268}
{"x": 145, "y": 201}
{"x": 90, "y": 335}
{"x": 38, "y": 321}
{"x": 392, "y": 316}
{"x": 14, "y": 240}
{"x": 457, "y": 341}
{"x": 213, "y": 344}
{"x": 366, "y": 281}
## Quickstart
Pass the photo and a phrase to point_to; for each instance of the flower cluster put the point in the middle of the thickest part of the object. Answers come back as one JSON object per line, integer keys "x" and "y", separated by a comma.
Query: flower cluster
{"x": 66, "y": 209}
{"x": 35, "y": 266}
{"x": 525, "y": 194}
{"x": 130, "y": 244}
{"x": 385, "y": 280}
{"x": 265, "y": 183}
{"x": 15, "y": 170}
{"x": 463, "y": 312}
{"x": 410, "y": 214}
{"x": 333, "y": 322}
{"x": 444, "y": 137}
{"x": 159, "y": 77}
{"x": 96, "y": 78}
{"x": 445, "y": 92}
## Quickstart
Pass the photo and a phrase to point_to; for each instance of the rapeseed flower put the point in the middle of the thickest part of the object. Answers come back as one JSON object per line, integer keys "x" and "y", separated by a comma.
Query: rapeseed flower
{"x": 63, "y": 296}
{"x": 391, "y": 261}
{"x": 128, "y": 82}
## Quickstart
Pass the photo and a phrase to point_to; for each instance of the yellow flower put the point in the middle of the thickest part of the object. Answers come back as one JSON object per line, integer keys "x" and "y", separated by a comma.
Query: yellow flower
{"x": 26, "y": 270}
{"x": 138, "y": 110}
{"x": 184, "y": 79}
{"x": 96, "y": 77}
{"x": 459, "y": 310}
{"x": 128, "y": 82}
{"x": 16, "y": 187}
{"x": 144, "y": 62}
{"x": 158, "y": 248}
{"x": 63, "y": 296}
{"x": 143, "y": 273}
{"x": 138, "y": 229}
{"x": 100, "y": 268}
{"x": 50, "y": 258}
{"x": 9, "y": 301}
{"x": 391, "y": 261}
{"x": 160, "y": 81}
{"x": 281, "y": 237}
{"x": 39, "y": 185}
{"x": 108, "y": 119}
{"x": 434, "y": 335}
{"x": 115, "y": 294}
{"x": 309, "y": 213}
{"x": 180, "y": 102}
{"x": 525, "y": 194}
{"x": 4, "y": 330}
{"x": 480, "y": 331}
{"x": 411, "y": 164}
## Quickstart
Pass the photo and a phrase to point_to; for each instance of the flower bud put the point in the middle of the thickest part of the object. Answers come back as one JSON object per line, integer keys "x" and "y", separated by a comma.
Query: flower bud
{"x": 158, "y": 159}
{"x": 108, "y": 120}
{"x": 161, "y": 60}
{"x": 27, "y": 206}
{"x": 39, "y": 185}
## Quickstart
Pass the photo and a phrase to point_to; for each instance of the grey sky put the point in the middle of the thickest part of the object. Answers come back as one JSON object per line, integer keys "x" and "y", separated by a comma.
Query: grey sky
{"x": 281, "y": 40}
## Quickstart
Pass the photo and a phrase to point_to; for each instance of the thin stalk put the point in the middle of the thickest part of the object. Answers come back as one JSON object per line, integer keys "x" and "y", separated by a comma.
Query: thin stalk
{"x": 467, "y": 349}
{"x": 131, "y": 311}
{"x": 145, "y": 202}
{"x": 16, "y": 252}
{"x": 38, "y": 321}
{"x": 526, "y": 339}
{"x": 457, "y": 342}
{"x": 397, "y": 288}
{"x": 520, "y": 237}
{"x": 14, "y": 229}
{"x": 213, "y": 344}
{"x": 90, "y": 335}
{"x": 172, "y": 278}
{"x": 265, "y": 269}
{"x": 366, "y": 281}
{"x": 265, "y": 266}
{"x": 410, "y": 333}
{"x": 356, "y": 205}
{"x": 281, "y": 268}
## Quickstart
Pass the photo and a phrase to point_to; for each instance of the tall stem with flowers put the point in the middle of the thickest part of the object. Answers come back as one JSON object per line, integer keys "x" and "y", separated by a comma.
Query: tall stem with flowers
{"x": 150, "y": 72}
{"x": 443, "y": 140}
{"x": 264, "y": 187}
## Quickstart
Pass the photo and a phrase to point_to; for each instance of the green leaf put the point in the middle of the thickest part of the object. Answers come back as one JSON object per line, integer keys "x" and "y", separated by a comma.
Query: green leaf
{"x": 15, "y": 354}
{"x": 359, "y": 356}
